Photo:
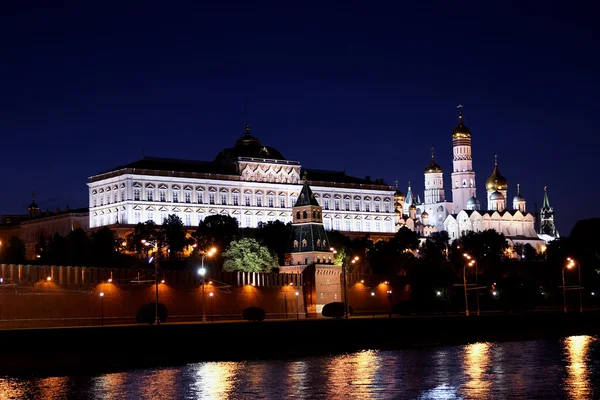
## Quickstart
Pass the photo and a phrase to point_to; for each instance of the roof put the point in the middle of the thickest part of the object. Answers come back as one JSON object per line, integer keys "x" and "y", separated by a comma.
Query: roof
{"x": 306, "y": 197}
{"x": 179, "y": 165}
{"x": 247, "y": 146}
{"x": 319, "y": 175}
{"x": 461, "y": 131}
{"x": 310, "y": 232}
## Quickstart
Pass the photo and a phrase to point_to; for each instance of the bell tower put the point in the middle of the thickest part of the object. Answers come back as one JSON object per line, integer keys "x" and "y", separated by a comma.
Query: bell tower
{"x": 463, "y": 176}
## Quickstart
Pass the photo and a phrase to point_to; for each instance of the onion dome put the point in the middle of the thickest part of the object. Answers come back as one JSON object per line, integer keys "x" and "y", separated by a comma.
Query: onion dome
{"x": 496, "y": 181}
{"x": 518, "y": 198}
{"x": 424, "y": 214}
{"x": 412, "y": 207}
{"x": 461, "y": 131}
{"x": 398, "y": 193}
{"x": 472, "y": 202}
{"x": 496, "y": 196}
{"x": 248, "y": 146}
{"x": 433, "y": 167}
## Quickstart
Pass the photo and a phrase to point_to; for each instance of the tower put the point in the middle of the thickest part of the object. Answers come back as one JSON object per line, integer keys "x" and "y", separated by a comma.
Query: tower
{"x": 547, "y": 226}
{"x": 434, "y": 182}
{"x": 309, "y": 242}
{"x": 409, "y": 199}
{"x": 33, "y": 209}
{"x": 463, "y": 176}
{"x": 496, "y": 182}
{"x": 519, "y": 201}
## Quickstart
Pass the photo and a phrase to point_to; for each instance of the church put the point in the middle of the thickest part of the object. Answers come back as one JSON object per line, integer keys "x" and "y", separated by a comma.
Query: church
{"x": 465, "y": 213}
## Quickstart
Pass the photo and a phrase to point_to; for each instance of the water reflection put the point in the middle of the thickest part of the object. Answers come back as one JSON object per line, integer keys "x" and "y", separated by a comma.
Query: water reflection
{"x": 477, "y": 362}
{"x": 352, "y": 374}
{"x": 216, "y": 380}
{"x": 577, "y": 353}
{"x": 10, "y": 389}
{"x": 296, "y": 379}
{"x": 110, "y": 385}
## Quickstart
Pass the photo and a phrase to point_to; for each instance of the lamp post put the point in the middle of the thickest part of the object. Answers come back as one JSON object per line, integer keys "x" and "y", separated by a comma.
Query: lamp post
{"x": 297, "y": 305}
{"x": 465, "y": 287}
{"x": 102, "y": 309}
{"x": 202, "y": 272}
{"x": 571, "y": 264}
{"x": 564, "y": 289}
{"x": 155, "y": 260}
{"x": 473, "y": 261}
{"x": 212, "y": 317}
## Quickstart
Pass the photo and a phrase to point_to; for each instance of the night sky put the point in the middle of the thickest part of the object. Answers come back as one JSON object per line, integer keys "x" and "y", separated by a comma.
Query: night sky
{"x": 367, "y": 87}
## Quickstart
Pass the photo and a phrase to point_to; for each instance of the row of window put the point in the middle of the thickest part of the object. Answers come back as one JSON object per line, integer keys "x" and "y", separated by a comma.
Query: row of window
{"x": 387, "y": 206}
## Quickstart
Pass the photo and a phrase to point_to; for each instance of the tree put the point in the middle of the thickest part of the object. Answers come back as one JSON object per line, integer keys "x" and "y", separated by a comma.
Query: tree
{"x": 275, "y": 235}
{"x": 173, "y": 234}
{"x": 57, "y": 251}
{"x": 78, "y": 246}
{"x": 485, "y": 245}
{"x": 15, "y": 251}
{"x": 404, "y": 240}
{"x": 41, "y": 246}
{"x": 104, "y": 246}
{"x": 248, "y": 255}
{"x": 142, "y": 231}
{"x": 435, "y": 247}
{"x": 216, "y": 231}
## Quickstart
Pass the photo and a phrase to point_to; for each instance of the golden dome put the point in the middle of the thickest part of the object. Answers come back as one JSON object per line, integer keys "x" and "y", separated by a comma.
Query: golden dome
{"x": 461, "y": 131}
{"x": 496, "y": 181}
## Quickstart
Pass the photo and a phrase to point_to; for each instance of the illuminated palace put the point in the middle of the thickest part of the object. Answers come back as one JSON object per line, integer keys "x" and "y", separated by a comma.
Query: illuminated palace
{"x": 250, "y": 181}
{"x": 465, "y": 212}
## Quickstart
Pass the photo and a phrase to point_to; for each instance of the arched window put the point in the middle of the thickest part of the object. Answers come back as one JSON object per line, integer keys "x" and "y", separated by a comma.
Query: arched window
{"x": 324, "y": 243}
{"x": 318, "y": 242}
{"x": 295, "y": 244}
{"x": 304, "y": 214}
{"x": 314, "y": 214}
{"x": 304, "y": 243}
{"x": 297, "y": 214}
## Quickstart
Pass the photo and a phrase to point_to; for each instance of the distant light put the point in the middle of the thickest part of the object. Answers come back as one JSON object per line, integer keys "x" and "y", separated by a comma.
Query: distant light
{"x": 494, "y": 293}
{"x": 210, "y": 282}
{"x": 163, "y": 281}
{"x": 372, "y": 293}
{"x": 101, "y": 294}
{"x": 543, "y": 293}
{"x": 202, "y": 271}
{"x": 49, "y": 278}
{"x": 438, "y": 293}
{"x": 297, "y": 293}
{"x": 211, "y": 294}
{"x": 593, "y": 293}
{"x": 38, "y": 256}
{"x": 291, "y": 284}
{"x": 362, "y": 281}
{"x": 1, "y": 280}
{"x": 109, "y": 280}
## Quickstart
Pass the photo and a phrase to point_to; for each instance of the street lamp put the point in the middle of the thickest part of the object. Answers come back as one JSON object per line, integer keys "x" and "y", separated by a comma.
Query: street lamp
{"x": 202, "y": 272}
{"x": 571, "y": 264}
{"x": 102, "y": 308}
{"x": 155, "y": 260}
{"x": 297, "y": 305}
{"x": 212, "y": 318}
{"x": 473, "y": 261}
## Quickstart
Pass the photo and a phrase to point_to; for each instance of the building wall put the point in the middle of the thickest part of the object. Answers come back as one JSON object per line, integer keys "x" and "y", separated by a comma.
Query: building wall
{"x": 126, "y": 199}
{"x": 62, "y": 224}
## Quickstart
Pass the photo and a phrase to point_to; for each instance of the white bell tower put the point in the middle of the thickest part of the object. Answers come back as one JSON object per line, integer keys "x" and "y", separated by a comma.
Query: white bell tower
{"x": 463, "y": 176}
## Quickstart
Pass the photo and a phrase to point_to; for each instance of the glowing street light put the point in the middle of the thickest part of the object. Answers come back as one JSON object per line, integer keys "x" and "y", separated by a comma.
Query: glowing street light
{"x": 472, "y": 262}
{"x": 155, "y": 260}
{"x": 202, "y": 273}
{"x": 297, "y": 305}
{"x": 571, "y": 264}
{"x": 102, "y": 308}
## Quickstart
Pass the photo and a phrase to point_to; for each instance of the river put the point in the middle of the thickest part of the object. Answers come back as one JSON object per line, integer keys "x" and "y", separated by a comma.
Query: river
{"x": 564, "y": 369}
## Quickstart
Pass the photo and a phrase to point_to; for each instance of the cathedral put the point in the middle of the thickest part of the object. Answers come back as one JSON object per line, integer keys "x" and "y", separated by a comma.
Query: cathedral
{"x": 466, "y": 213}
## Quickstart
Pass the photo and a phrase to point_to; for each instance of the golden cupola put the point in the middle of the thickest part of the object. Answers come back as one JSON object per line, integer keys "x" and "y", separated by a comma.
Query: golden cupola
{"x": 496, "y": 181}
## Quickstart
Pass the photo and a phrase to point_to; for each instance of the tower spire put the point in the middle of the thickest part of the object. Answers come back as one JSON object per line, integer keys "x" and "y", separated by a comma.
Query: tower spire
{"x": 495, "y": 160}
{"x": 518, "y": 189}
{"x": 432, "y": 153}
{"x": 459, "y": 108}
{"x": 247, "y": 120}
{"x": 396, "y": 182}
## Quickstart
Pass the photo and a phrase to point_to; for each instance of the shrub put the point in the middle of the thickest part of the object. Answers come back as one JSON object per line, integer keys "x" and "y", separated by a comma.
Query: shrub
{"x": 336, "y": 310}
{"x": 253, "y": 314}
{"x": 147, "y": 313}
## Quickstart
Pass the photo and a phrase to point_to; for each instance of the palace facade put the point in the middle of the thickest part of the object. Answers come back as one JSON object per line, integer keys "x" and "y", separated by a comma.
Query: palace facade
{"x": 250, "y": 182}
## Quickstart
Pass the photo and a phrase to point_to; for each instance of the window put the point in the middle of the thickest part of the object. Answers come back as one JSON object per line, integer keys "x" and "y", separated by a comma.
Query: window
{"x": 377, "y": 206}
{"x": 347, "y": 205}
{"x": 356, "y": 205}
{"x": 367, "y": 207}
{"x": 188, "y": 196}
{"x": 387, "y": 206}
{"x": 327, "y": 224}
{"x": 223, "y": 198}
{"x": 200, "y": 198}
{"x": 163, "y": 216}
{"x": 377, "y": 226}
{"x": 295, "y": 244}
{"x": 149, "y": 194}
{"x": 336, "y": 224}
{"x": 368, "y": 226}
{"x": 258, "y": 201}
{"x": 236, "y": 199}
{"x": 200, "y": 218}
{"x": 95, "y": 202}
{"x": 101, "y": 221}
{"x": 175, "y": 196}
{"x": 318, "y": 242}
{"x": 304, "y": 214}
{"x": 137, "y": 217}
{"x": 357, "y": 225}
{"x": 123, "y": 218}
{"x": 123, "y": 195}
{"x": 271, "y": 201}
{"x": 282, "y": 202}
{"x": 150, "y": 216}
{"x": 304, "y": 243}
{"x": 347, "y": 225}
{"x": 248, "y": 221}
{"x": 247, "y": 200}
{"x": 337, "y": 204}
{"x": 162, "y": 194}
{"x": 188, "y": 219}
{"x": 211, "y": 198}
{"x": 115, "y": 197}
{"x": 326, "y": 205}
{"x": 297, "y": 214}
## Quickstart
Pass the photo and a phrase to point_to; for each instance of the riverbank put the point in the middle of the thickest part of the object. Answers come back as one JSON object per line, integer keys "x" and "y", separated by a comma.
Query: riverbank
{"x": 68, "y": 351}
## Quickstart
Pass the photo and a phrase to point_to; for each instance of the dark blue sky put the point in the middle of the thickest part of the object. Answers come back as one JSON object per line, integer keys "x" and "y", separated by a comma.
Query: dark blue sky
{"x": 364, "y": 86}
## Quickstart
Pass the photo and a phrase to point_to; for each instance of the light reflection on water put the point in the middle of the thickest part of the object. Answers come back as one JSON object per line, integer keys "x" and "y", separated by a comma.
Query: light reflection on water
{"x": 537, "y": 369}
